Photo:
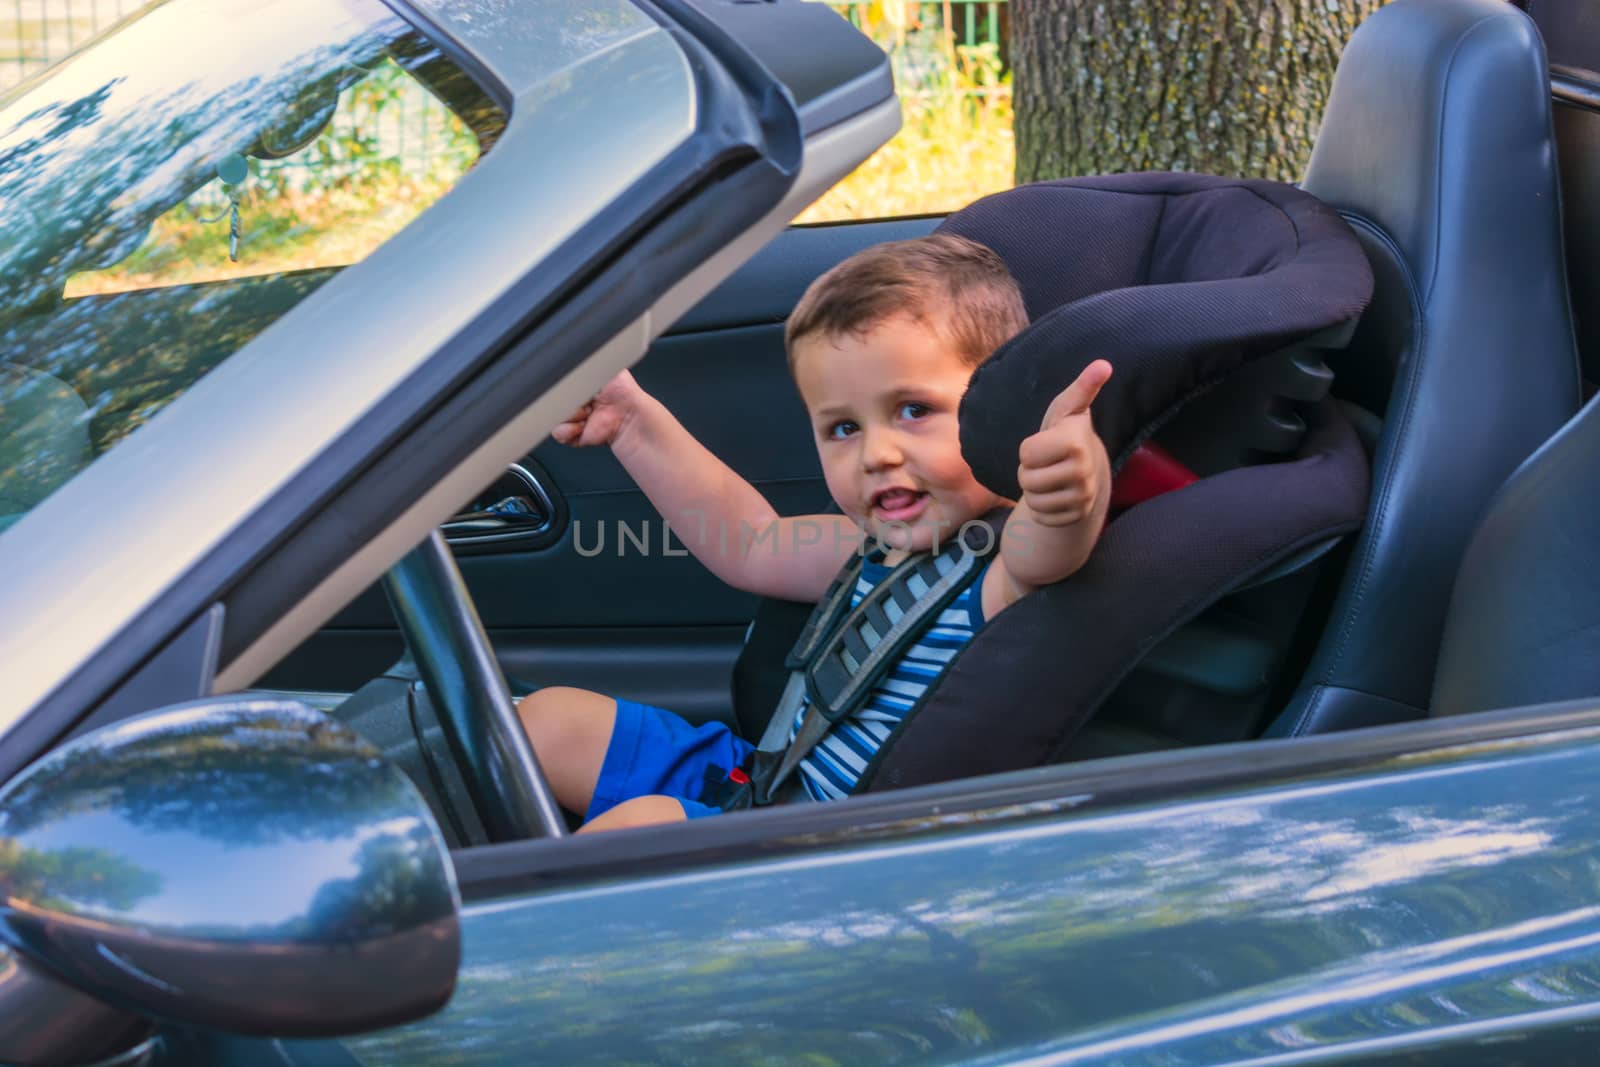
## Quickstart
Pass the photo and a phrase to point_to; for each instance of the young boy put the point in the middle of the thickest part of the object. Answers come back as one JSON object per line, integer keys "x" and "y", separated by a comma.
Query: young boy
{"x": 882, "y": 347}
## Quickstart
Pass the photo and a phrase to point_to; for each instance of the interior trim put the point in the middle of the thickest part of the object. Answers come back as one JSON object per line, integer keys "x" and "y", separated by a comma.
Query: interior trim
{"x": 1574, "y": 90}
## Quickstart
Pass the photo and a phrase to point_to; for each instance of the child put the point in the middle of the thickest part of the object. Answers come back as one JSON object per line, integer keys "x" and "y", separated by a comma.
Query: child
{"x": 882, "y": 347}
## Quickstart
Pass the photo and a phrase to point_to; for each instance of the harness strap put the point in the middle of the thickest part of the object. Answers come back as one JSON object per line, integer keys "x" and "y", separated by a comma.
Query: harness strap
{"x": 777, "y": 733}
{"x": 836, "y": 667}
{"x": 869, "y": 654}
{"x": 834, "y": 603}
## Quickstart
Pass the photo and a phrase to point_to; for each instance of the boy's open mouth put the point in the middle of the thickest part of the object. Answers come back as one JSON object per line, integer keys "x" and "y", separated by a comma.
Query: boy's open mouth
{"x": 899, "y": 505}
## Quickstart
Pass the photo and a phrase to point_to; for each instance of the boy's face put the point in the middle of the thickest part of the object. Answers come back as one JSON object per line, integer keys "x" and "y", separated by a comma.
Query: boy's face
{"x": 883, "y": 408}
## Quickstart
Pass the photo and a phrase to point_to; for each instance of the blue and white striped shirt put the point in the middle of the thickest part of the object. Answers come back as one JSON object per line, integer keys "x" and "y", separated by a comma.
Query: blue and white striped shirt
{"x": 832, "y": 769}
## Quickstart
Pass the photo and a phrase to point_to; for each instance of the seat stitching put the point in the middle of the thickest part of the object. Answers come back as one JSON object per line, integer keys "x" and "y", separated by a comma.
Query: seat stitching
{"x": 1438, "y": 170}
{"x": 1298, "y": 243}
{"x": 1386, "y": 482}
{"x": 1155, "y": 238}
{"x": 1302, "y": 726}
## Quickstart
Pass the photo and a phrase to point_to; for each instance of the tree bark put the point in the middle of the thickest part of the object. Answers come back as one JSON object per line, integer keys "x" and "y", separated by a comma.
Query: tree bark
{"x": 1232, "y": 87}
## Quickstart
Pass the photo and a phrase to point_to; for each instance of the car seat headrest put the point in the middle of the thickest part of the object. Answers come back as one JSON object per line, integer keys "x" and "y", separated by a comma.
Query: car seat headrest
{"x": 1179, "y": 280}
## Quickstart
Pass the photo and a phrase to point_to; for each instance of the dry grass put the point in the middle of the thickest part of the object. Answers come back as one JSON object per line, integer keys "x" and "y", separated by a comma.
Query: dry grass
{"x": 954, "y": 143}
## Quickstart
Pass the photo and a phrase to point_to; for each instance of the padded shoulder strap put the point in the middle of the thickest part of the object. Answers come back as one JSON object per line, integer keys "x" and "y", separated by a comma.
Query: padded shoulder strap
{"x": 842, "y": 654}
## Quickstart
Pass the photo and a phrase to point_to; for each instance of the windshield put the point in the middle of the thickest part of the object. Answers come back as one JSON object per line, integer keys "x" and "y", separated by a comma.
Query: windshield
{"x": 174, "y": 189}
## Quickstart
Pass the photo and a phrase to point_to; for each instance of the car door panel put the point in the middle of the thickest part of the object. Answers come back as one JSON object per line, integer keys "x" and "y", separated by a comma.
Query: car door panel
{"x": 612, "y": 590}
{"x": 612, "y": 604}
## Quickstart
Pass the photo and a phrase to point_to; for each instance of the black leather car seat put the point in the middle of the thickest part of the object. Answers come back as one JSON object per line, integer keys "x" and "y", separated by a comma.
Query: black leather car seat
{"x": 1524, "y": 622}
{"x": 1437, "y": 148}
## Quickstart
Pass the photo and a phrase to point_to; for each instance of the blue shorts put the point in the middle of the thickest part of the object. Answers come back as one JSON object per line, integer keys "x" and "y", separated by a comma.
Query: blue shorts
{"x": 653, "y": 751}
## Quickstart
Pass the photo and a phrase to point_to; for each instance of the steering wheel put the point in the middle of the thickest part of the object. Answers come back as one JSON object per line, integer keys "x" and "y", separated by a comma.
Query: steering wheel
{"x": 462, "y": 676}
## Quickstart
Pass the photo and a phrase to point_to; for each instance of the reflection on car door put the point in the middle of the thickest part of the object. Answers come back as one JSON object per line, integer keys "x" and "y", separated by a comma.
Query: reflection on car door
{"x": 1431, "y": 907}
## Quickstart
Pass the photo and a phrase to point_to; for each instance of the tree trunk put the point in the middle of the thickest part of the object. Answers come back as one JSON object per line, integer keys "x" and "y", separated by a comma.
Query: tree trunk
{"x": 1232, "y": 87}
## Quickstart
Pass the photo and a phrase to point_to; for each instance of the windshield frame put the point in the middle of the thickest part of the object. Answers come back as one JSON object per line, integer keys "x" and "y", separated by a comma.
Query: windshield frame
{"x": 275, "y": 431}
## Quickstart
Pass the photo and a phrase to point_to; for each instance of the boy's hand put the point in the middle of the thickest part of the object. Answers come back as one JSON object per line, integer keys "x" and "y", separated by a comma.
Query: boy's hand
{"x": 600, "y": 420}
{"x": 1064, "y": 469}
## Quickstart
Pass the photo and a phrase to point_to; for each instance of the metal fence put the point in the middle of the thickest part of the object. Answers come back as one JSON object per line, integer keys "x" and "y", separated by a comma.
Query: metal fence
{"x": 939, "y": 46}
{"x": 410, "y": 128}
{"x": 36, "y": 33}
{"x": 950, "y": 58}
{"x": 970, "y": 21}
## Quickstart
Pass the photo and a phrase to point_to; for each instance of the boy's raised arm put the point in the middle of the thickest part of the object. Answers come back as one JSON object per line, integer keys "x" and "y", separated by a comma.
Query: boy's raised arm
{"x": 1066, "y": 489}
{"x": 720, "y": 517}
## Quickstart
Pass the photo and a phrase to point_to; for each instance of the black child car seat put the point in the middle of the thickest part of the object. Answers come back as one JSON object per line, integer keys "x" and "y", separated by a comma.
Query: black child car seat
{"x": 1191, "y": 286}
{"x": 1436, "y": 147}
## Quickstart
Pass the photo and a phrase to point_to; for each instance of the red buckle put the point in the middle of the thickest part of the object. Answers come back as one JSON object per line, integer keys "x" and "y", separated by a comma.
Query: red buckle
{"x": 738, "y": 777}
{"x": 1150, "y": 471}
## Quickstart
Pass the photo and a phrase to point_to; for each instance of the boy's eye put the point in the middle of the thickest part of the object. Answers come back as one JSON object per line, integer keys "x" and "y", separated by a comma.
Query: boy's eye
{"x": 913, "y": 410}
{"x": 842, "y": 429}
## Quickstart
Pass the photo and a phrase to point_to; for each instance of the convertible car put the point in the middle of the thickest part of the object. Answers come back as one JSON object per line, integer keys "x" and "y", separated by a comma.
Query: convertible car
{"x": 281, "y": 540}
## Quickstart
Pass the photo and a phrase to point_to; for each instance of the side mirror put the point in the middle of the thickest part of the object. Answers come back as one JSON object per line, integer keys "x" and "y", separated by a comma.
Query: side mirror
{"x": 247, "y": 865}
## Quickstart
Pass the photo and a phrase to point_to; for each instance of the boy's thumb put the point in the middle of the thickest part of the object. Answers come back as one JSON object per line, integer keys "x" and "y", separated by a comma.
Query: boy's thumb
{"x": 1076, "y": 398}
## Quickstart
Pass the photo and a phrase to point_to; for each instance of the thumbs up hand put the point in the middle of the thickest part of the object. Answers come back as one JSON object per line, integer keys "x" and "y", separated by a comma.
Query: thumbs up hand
{"x": 1064, "y": 472}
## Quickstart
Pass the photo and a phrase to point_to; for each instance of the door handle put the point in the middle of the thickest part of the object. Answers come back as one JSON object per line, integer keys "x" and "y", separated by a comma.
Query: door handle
{"x": 519, "y": 508}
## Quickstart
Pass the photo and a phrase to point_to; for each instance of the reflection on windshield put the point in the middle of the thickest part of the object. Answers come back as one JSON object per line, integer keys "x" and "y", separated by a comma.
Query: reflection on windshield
{"x": 161, "y": 212}
{"x": 118, "y": 136}
{"x": 368, "y": 163}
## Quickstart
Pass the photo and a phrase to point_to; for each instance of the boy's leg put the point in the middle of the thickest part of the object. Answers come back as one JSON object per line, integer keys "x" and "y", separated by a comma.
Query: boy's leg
{"x": 570, "y": 730}
{"x": 640, "y": 811}
{"x": 599, "y": 753}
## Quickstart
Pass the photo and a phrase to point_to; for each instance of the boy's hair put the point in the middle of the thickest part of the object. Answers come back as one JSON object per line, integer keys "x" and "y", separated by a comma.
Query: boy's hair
{"x": 960, "y": 288}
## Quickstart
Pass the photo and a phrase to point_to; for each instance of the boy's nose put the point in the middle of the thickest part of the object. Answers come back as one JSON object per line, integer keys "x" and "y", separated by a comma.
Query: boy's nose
{"x": 879, "y": 449}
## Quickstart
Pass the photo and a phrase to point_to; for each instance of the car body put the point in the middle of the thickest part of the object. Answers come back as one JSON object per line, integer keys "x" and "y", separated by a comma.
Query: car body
{"x": 1421, "y": 892}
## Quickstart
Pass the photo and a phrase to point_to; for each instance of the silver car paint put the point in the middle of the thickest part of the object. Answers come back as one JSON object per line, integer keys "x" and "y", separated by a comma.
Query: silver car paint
{"x": 88, "y": 560}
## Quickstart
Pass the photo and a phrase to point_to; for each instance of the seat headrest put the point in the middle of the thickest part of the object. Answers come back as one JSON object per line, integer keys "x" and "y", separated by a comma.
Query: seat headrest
{"x": 1177, "y": 279}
